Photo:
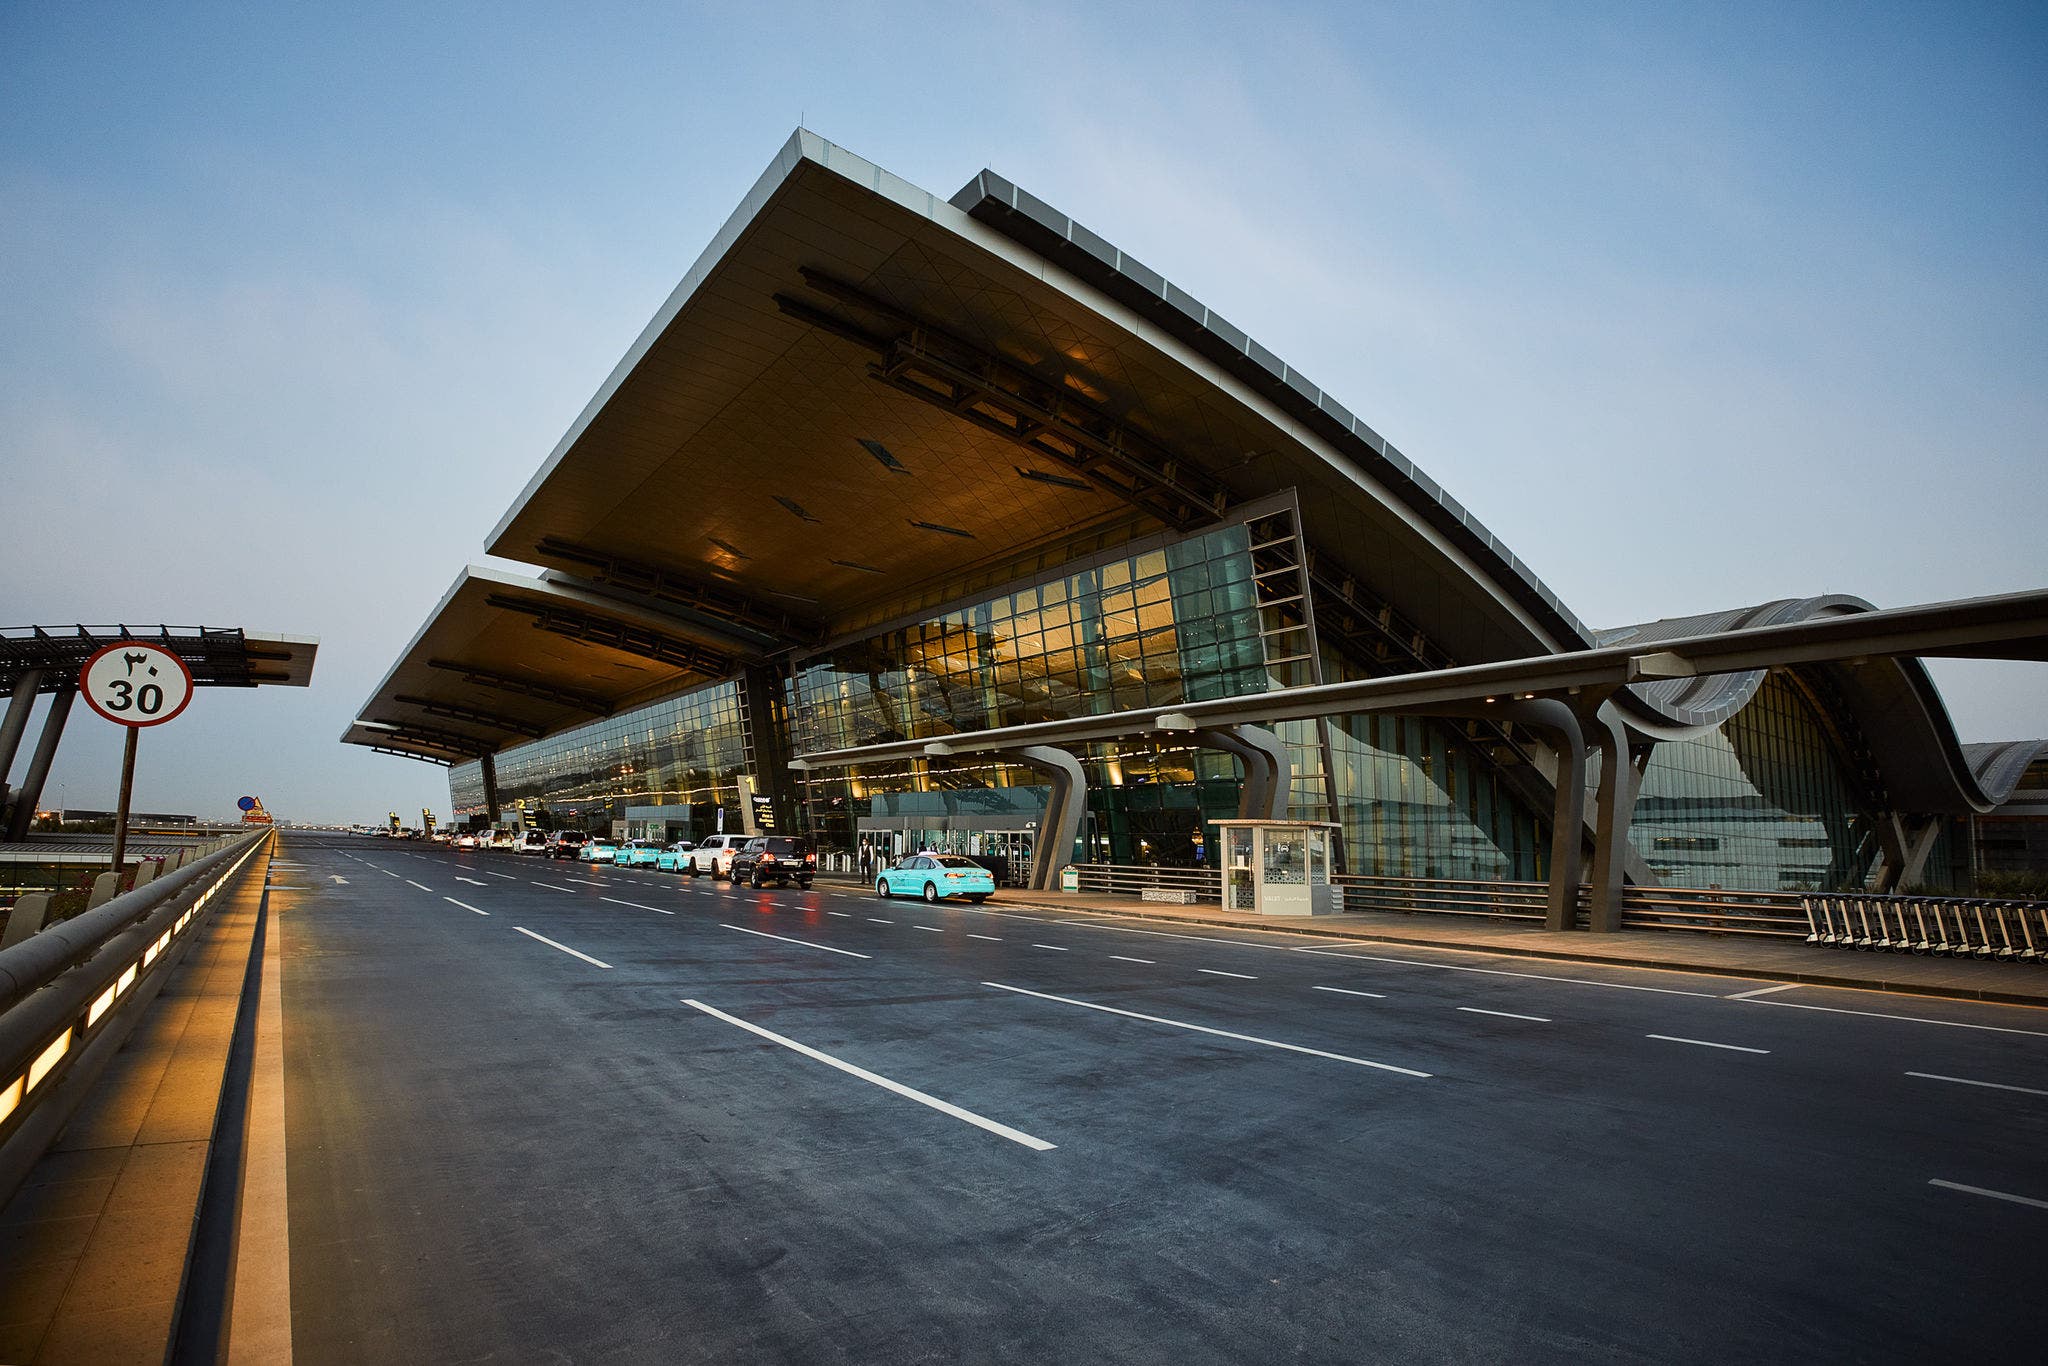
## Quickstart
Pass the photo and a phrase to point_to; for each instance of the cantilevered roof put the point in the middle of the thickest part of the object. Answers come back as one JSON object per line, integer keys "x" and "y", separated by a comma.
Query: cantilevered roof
{"x": 861, "y": 390}
{"x": 506, "y": 658}
{"x": 218, "y": 656}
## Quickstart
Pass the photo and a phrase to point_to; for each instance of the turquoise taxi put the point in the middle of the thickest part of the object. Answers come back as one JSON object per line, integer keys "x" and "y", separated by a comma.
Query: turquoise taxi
{"x": 936, "y": 877}
{"x": 675, "y": 858}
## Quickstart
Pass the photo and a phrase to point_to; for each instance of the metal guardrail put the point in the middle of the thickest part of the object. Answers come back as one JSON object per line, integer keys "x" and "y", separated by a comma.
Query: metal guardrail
{"x": 1770, "y": 915}
{"x": 66, "y": 989}
{"x": 1443, "y": 896}
{"x": 1118, "y": 879}
{"x": 1960, "y": 927}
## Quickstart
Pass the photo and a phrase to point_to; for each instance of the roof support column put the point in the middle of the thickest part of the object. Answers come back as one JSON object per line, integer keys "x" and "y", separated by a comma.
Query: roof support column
{"x": 1268, "y": 773}
{"x": 1904, "y": 847}
{"x": 1061, "y": 824}
{"x": 488, "y": 763}
{"x": 39, "y": 764}
{"x": 1614, "y": 807}
{"x": 16, "y": 723}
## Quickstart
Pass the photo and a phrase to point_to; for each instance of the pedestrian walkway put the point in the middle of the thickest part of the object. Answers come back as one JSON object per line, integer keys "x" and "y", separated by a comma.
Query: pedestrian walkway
{"x": 1723, "y": 954}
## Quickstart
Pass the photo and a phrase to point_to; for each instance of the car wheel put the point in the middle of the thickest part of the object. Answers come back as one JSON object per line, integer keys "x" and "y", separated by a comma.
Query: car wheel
{"x": 882, "y": 888}
{"x": 755, "y": 882}
{"x": 803, "y": 884}
{"x": 693, "y": 870}
{"x": 978, "y": 897}
{"x": 931, "y": 891}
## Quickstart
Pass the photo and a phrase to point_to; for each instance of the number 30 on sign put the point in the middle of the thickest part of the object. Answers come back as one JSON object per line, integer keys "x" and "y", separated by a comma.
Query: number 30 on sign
{"x": 133, "y": 683}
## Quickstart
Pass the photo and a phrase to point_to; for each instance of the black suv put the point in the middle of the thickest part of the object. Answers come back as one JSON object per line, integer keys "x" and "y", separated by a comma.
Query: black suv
{"x": 566, "y": 844}
{"x": 775, "y": 858}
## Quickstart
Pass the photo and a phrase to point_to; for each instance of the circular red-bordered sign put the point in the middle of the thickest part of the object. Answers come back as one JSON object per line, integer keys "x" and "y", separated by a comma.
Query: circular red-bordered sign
{"x": 134, "y": 683}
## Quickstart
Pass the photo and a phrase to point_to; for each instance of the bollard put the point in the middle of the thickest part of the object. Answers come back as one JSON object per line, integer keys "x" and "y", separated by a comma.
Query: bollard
{"x": 26, "y": 918}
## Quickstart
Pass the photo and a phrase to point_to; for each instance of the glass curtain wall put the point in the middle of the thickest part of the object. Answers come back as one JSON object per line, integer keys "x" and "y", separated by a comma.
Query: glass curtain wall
{"x": 685, "y": 751}
{"x": 1761, "y": 804}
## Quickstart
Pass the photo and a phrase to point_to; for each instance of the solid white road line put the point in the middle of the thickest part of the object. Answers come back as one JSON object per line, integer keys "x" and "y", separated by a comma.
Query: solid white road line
{"x": 991, "y": 938}
{"x": 1054, "y": 947}
{"x": 1503, "y": 972}
{"x": 896, "y": 1087}
{"x": 471, "y": 881}
{"x": 1504, "y": 1014}
{"x": 563, "y": 947}
{"x": 1909, "y": 1019}
{"x": 1346, "y": 991}
{"x": 635, "y": 905}
{"x": 1988, "y": 1085}
{"x": 1218, "y": 972}
{"x": 1117, "y": 956}
{"x": 259, "y": 1321}
{"x": 1706, "y": 1043}
{"x": 1204, "y": 1029}
{"x": 464, "y": 904}
{"x": 553, "y": 888}
{"x": 787, "y": 940}
{"x": 1760, "y": 991}
{"x": 410, "y": 883}
{"x": 1995, "y": 1195}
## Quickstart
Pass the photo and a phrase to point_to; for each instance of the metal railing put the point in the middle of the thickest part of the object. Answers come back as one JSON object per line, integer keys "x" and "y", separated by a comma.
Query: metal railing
{"x": 1961, "y": 927}
{"x": 1443, "y": 896}
{"x": 1118, "y": 879}
{"x": 1771, "y": 915}
{"x": 65, "y": 993}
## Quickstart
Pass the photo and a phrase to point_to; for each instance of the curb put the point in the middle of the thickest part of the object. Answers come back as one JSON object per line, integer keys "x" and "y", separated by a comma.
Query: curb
{"x": 1823, "y": 978}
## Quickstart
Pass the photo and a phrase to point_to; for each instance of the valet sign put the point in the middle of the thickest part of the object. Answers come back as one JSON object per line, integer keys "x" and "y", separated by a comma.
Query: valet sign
{"x": 136, "y": 684}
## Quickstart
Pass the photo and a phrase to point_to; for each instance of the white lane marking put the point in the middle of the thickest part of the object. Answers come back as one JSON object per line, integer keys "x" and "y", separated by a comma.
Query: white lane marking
{"x": 787, "y": 940}
{"x": 1218, "y": 972}
{"x": 1909, "y": 1019}
{"x": 553, "y": 888}
{"x": 1121, "y": 959}
{"x": 410, "y": 883}
{"x": 1989, "y": 1085}
{"x": 1503, "y": 972}
{"x": 471, "y": 881}
{"x": 635, "y": 905}
{"x": 879, "y": 921}
{"x": 841, "y": 914}
{"x": 991, "y": 938}
{"x": 1205, "y": 1029}
{"x": 928, "y": 929}
{"x": 1054, "y": 947}
{"x": 895, "y": 1087}
{"x": 464, "y": 904}
{"x": 488, "y": 873}
{"x": 1995, "y": 1195}
{"x": 563, "y": 947}
{"x": 588, "y": 882}
{"x": 1761, "y": 991}
{"x": 339, "y": 880}
{"x": 1510, "y": 1015}
{"x": 1706, "y": 1043}
{"x": 387, "y": 872}
{"x": 1346, "y": 991}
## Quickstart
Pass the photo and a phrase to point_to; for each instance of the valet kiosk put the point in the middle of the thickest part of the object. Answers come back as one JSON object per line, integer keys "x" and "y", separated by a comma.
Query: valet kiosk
{"x": 1278, "y": 867}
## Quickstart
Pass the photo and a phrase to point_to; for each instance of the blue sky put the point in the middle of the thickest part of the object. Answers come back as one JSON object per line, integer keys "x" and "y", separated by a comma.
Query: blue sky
{"x": 1693, "y": 308}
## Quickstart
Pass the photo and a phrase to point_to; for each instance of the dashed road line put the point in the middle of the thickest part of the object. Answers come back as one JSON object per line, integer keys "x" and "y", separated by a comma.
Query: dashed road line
{"x": 597, "y": 962}
{"x": 878, "y": 921}
{"x": 635, "y": 905}
{"x": 849, "y": 953}
{"x": 1148, "y": 962}
{"x": 1510, "y": 1015}
{"x": 410, "y": 883}
{"x": 1054, "y": 947}
{"x": 894, "y": 1087}
{"x": 1219, "y": 972}
{"x": 1988, "y": 1085}
{"x": 1346, "y": 991}
{"x": 991, "y": 938}
{"x": 1707, "y": 1043}
{"x": 1995, "y": 1195}
{"x": 928, "y": 929}
{"x": 1205, "y": 1029}
{"x": 553, "y": 888}
{"x": 464, "y": 904}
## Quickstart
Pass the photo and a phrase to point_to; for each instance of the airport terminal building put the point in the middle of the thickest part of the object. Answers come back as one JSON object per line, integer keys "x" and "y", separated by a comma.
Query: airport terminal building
{"x": 888, "y": 469}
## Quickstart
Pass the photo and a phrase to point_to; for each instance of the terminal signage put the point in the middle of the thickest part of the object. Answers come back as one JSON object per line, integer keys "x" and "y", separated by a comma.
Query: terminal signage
{"x": 134, "y": 683}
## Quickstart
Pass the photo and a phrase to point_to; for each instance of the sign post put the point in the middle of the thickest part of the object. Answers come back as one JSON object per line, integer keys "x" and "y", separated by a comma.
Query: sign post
{"x": 134, "y": 684}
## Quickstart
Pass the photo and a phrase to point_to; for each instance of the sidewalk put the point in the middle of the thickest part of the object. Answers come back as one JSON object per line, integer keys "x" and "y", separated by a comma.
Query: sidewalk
{"x": 1725, "y": 955}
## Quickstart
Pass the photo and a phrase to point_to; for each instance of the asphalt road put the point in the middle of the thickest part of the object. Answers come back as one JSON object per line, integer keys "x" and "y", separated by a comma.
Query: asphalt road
{"x": 541, "y": 1112}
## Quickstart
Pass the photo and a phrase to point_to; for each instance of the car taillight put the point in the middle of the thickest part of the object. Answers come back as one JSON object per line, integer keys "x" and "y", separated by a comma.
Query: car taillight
{"x": 810, "y": 858}
{"x": 956, "y": 875}
{"x": 767, "y": 858}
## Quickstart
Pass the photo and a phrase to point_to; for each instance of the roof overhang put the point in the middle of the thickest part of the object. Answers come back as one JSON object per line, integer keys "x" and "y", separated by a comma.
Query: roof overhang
{"x": 506, "y": 658}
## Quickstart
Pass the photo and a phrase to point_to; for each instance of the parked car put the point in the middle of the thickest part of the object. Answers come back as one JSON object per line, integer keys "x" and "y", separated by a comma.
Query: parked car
{"x": 675, "y": 858}
{"x": 597, "y": 849}
{"x": 935, "y": 877}
{"x": 775, "y": 858}
{"x": 637, "y": 853}
{"x": 465, "y": 841}
{"x": 714, "y": 855}
{"x": 532, "y": 842}
{"x": 567, "y": 844}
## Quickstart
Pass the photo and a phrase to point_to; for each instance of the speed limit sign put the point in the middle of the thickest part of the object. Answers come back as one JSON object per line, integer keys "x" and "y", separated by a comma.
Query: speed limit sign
{"x": 133, "y": 683}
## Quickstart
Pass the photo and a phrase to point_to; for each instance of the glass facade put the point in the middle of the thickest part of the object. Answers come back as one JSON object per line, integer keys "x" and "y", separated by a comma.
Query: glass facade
{"x": 1760, "y": 804}
{"x": 683, "y": 752}
{"x": 1415, "y": 801}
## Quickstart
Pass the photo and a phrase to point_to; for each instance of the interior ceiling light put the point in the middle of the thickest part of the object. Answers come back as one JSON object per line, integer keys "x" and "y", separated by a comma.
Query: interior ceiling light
{"x": 863, "y": 568}
{"x": 1041, "y": 477}
{"x": 943, "y": 530}
{"x": 794, "y": 506}
{"x": 881, "y": 453}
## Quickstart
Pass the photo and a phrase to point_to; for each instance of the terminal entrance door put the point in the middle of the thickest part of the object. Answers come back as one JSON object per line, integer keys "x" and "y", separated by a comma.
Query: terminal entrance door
{"x": 1014, "y": 848}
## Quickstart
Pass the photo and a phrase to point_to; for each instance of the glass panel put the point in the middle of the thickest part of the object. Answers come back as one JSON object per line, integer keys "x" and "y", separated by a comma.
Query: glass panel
{"x": 1286, "y": 856}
